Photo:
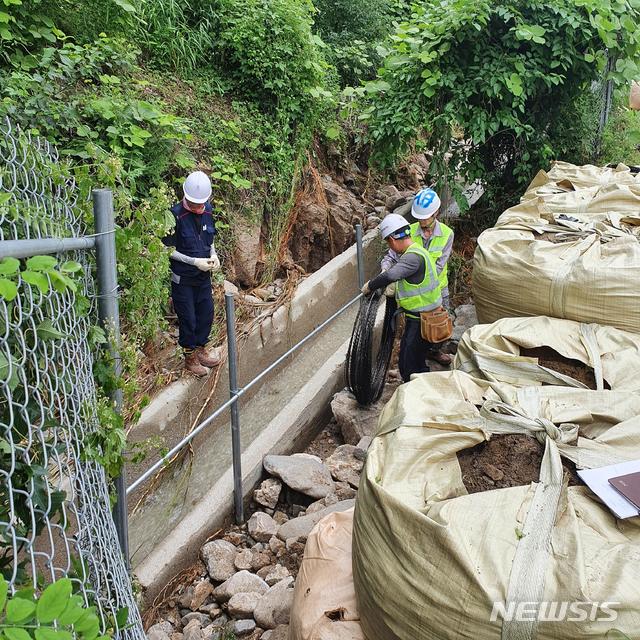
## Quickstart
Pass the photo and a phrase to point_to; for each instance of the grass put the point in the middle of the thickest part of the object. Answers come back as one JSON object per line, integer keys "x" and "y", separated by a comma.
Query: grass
{"x": 621, "y": 137}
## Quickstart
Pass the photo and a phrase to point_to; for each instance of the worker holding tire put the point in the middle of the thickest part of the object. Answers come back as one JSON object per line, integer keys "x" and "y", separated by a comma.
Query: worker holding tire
{"x": 437, "y": 238}
{"x": 192, "y": 260}
{"x": 417, "y": 290}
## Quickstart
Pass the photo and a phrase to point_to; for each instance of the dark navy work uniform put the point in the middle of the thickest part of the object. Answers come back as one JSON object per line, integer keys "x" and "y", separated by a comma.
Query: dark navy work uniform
{"x": 190, "y": 287}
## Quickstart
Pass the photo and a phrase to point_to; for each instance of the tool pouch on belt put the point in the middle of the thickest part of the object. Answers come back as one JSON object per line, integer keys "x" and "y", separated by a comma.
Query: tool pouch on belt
{"x": 436, "y": 325}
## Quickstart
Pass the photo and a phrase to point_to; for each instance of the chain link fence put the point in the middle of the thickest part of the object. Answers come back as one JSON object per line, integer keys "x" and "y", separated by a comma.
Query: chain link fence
{"x": 55, "y": 514}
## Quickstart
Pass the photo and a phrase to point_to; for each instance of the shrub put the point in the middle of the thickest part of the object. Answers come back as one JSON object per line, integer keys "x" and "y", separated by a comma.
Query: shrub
{"x": 488, "y": 84}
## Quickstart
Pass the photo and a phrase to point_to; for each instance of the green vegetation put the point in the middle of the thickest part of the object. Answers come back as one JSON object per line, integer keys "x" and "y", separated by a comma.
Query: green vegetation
{"x": 493, "y": 89}
{"x": 55, "y": 614}
{"x": 136, "y": 93}
{"x": 621, "y": 138}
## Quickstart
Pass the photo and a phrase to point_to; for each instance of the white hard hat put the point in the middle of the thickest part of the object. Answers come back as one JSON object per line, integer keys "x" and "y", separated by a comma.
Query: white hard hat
{"x": 425, "y": 204}
{"x": 393, "y": 224}
{"x": 197, "y": 187}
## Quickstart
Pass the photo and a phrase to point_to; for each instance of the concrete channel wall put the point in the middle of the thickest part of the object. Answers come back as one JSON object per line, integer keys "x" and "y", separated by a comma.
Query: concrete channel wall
{"x": 171, "y": 525}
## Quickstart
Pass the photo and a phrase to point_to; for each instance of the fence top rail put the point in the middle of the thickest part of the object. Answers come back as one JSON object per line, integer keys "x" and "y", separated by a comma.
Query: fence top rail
{"x": 44, "y": 246}
{"x": 207, "y": 421}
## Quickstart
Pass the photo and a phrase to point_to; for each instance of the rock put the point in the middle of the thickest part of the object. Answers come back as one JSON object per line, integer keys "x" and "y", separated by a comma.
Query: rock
{"x": 249, "y": 299}
{"x": 264, "y": 294}
{"x": 193, "y": 631}
{"x": 492, "y": 472}
{"x": 355, "y": 421}
{"x": 236, "y": 538}
{"x": 302, "y": 473}
{"x": 372, "y": 222}
{"x": 241, "y": 582}
{"x": 243, "y": 559}
{"x": 465, "y": 319}
{"x": 380, "y": 212}
{"x": 268, "y": 492}
{"x": 185, "y": 598}
{"x": 324, "y": 222}
{"x": 243, "y": 627}
{"x": 280, "y": 517}
{"x": 231, "y": 288}
{"x": 264, "y": 572}
{"x": 403, "y": 209}
{"x": 262, "y": 527}
{"x": 219, "y": 556}
{"x": 344, "y": 491}
{"x": 242, "y": 605}
{"x": 178, "y": 636}
{"x": 295, "y": 545}
{"x": 220, "y": 621}
{"x": 210, "y": 609}
{"x": 281, "y": 632}
{"x": 276, "y": 545}
{"x": 200, "y": 593}
{"x": 300, "y": 527}
{"x": 276, "y": 574}
{"x": 202, "y": 618}
{"x": 332, "y": 498}
{"x": 364, "y": 443}
{"x": 247, "y": 252}
{"x": 160, "y": 631}
{"x": 316, "y": 506}
{"x": 274, "y": 606}
{"x": 210, "y": 633}
{"x": 344, "y": 465}
{"x": 260, "y": 560}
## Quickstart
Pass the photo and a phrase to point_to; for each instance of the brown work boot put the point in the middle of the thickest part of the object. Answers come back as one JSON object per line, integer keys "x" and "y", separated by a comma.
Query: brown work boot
{"x": 207, "y": 359}
{"x": 192, "y": 364}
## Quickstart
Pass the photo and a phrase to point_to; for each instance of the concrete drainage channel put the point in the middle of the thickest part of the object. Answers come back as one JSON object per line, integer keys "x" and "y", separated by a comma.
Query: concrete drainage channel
{"x": 194, "y": 496}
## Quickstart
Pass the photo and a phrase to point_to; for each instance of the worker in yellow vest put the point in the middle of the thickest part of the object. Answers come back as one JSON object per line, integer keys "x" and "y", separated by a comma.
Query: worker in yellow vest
{"x": 417, "y": 289}
{"x": 437, "y": 238}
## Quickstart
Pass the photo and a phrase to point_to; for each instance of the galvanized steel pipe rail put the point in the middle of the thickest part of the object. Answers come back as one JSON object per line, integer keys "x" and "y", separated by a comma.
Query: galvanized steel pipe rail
{"x": 236, "y": 393}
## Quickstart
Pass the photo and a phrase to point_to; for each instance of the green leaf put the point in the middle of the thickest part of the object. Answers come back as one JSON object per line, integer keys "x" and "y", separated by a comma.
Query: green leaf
{"x": 8, "y": 289}
{"x": 332, "y": 133}
{"x": 16, "y": 633}
{"x": 46, "y": 331}
{"x": 514, "y": 84}
{"x": 9, "y": 266}
{"x": 4, "y": 585}
{"x": 37, "y": 280}
{"x": 55, "y": 597}
{"x": 61, "y": 282}
{"x": 4, "y": 198}
{"x": 19, "y": 610}
{"x": 47, "y": 633}
{"x": 126, "y": 6}
{"x": 41, "y": 263}
{"x": 122, "y": 616}
{"x": 71, "y": 267}
{"x": 72, "y": 612}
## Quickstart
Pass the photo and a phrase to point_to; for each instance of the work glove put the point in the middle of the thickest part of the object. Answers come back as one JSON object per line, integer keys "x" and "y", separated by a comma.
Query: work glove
{"x": 215, "y": 261}
{"x": 204, "y": 264}
{"x": 365, "y": 289}
{"x": 390, "y": 290}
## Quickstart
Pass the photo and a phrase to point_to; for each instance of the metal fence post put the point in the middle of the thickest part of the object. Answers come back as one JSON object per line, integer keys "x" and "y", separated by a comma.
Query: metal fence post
{"x": 109, "y": 316}
{"x": 359, "y": 256}
{"x": 235, "y": 410}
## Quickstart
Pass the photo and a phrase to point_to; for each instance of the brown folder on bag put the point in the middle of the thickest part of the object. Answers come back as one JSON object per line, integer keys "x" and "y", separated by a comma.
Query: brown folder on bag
{"x": 628, "y": 486}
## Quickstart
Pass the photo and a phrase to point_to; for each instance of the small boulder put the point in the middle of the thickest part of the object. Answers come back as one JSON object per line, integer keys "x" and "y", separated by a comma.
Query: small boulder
{"x": 201, "y": 592}
{"x": 277, "y": 574}
{"x": 241, "y": 582}
{"x": 274, "y": 606}
{"x": 466, "y": 318}
{"x": 281, "y": 632}
{"x": 301, "y": 473}
{"x": 364, "y": 443}
{"x": 262, "y": 527}
{"x": 243, "y": 560}
{"x": 193, "y": 631}
{"x": 345, "y": 464}
{"x": 160, "y": 631}
{"x": 242, "y": 605}
{"x": 355, "y": 421}
{"x": 276, "y": 545}
{"x": 243, "y": 627}
{"x": 202, "y": 618}
{"x": 268, "y": 492}
{"x": 219, "y": 556}
{"x": 301, "y": 527}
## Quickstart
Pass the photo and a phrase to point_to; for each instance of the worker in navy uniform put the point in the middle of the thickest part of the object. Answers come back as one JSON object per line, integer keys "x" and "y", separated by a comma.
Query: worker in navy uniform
{"x": 192, "y": 260}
